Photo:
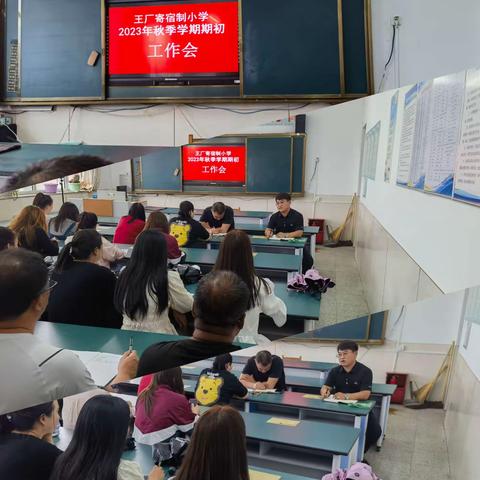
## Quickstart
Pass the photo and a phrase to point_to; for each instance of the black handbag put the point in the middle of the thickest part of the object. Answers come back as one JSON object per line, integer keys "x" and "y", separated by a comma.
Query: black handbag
{"x": 189, "y": 273}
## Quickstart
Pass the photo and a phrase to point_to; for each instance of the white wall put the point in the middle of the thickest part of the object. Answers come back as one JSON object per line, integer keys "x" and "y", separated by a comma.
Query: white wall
{"x": 436, "y": 38}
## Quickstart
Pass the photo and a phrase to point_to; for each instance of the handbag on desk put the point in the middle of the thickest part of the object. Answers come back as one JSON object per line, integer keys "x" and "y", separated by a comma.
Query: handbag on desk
{"x": 189, "y": 273}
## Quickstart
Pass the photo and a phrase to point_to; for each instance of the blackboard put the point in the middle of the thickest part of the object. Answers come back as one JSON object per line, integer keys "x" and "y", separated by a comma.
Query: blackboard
{"x": 369, "y": 328}
{"x": 57, "y": 37}
{"x": 275, "y": 164}
{"x": 290, "y": 48}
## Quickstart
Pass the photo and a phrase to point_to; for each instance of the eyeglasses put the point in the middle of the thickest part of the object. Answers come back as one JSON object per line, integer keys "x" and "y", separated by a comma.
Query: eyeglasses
{"x": 49, "y": 285}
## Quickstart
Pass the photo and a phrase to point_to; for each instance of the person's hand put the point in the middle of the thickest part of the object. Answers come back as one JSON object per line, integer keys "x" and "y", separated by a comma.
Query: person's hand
{"x": 268, "y": 232}
{"x": 156, "y": 473}
{"x": 325, "y": 391}
{"x": 260, "y": 386}
{"x": 281, "y": 235}
{"x": 128, "y": 365}
{"x": 195, "y": 409}
{"x": 340, "y": 396}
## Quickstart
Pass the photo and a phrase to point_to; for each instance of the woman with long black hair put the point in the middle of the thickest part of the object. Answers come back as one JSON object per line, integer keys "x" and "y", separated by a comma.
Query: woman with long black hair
{"x": 184, "y": 227}
{"x": 65, "y": 223}
{"x": 146, "y": 288}
{"x": 130, "y": 225}
{"x": 85, "y": 290}
{"x": 26, "y": 449}
{"x": 236, "y": 256}
{"x": 218, "y": 450}
{"x": 97, "y": 444}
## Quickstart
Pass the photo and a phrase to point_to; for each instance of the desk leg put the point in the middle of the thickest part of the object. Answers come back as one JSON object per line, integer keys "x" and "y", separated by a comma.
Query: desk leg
{"x": 313, "y": 242}
{"x": 383, "y": 419}
{"x": 246, "y": 406}
{"x": 345, "y": 461}
{"x": 361, "y": 422}
{"x": 309, "y": 325}
{"x": 209, "y": 246}
{"x": 299, "y": 252}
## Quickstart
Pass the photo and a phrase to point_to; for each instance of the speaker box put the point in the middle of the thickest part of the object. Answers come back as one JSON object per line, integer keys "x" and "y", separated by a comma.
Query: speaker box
{"x": 6, "y": 135}
{"x": 300, "y": 123}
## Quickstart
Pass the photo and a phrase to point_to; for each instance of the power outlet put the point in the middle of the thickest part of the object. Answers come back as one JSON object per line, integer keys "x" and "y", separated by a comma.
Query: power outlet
{"x": 4, "y": 120}
{"x": 396, "y": 21}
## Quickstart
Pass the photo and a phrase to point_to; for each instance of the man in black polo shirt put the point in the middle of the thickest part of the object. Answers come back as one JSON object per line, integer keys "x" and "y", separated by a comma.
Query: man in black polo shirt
{"x": 264, "y": 371}
{"x": 352, "y": 380}
{"x": 218, "y": 218}
{"x": 288, "y": 223}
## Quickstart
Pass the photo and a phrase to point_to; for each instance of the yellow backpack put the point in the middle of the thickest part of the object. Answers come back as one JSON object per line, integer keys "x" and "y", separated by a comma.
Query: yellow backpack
{"x": 180, "y": 230}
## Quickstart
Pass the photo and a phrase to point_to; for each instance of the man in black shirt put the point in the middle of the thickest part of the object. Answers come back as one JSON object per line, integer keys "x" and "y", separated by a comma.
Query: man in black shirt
{"x": 219, "y": 307}
{"x": 352, "y": 380}
{"x": 288, "y": 223}
{"x": 218, "y": 218}
{"x": 264, "y": 371}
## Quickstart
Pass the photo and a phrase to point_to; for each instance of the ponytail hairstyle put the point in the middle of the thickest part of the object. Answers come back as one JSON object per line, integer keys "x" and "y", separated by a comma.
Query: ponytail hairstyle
{"x": 185, "y": 210}
{"x": 87, "y": 220}
{"x": 221, "y": 361}
{"x": 136, "y": 212}
{"x": 83, "y": 244}
{"x": 24, "y": 420}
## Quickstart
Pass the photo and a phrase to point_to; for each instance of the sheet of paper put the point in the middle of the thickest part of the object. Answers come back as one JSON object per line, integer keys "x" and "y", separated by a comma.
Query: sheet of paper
{"x": 188, "y": 367}
{"x": 257, "y": 475}
{"x": 313, "y": 396}
{"x": 102, "y": 366}
{"x": 268, "y": 390}
{"x": 286, "y": 422}
{"x": 334, "y": 400}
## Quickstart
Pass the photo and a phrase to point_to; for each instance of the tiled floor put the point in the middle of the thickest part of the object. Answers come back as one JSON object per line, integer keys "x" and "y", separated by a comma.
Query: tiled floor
{"x": 346, "y": 300}
{"x": 414, "y": 448}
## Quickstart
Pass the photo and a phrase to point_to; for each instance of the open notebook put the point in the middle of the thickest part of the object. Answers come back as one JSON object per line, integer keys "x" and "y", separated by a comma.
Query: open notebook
{"x": 332, "y": 399}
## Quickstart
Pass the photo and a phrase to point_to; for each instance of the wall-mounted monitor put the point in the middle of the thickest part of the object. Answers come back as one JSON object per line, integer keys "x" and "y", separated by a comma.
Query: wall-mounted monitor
{"x": 176, "y": 42}
{"x": 214, "y": 165}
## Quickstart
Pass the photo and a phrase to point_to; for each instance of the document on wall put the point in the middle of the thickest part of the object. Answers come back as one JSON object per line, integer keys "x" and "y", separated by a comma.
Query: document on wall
{"x": 467, "y": 173}
{"x": 406, "y": 138}
{"x": 372, "y": 139}
{"x": 446, "y": 123}
{"x": 421, "y": 136}
{"x": 392, "y": 127}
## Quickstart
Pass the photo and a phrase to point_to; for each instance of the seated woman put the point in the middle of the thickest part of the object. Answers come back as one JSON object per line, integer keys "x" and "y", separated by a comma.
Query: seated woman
{"x": 65, "y": 223}
{"x": 158, "y": 221}
{"x": 84, "y": 293}
{"x": 184, "y": 227}
{"x": 146, "y": 288}
{"x": 26, "y": 449}
{"x": 44, "y": 202}
{"x": 162, "y": 410}
{"x": 218, "y": 449}
{"x": 130, "y": 225}
{"x": 8, "y": 239}
{"x": 236, "y": 255}
{"x": 218, "y": 384}
{"x": 110, "y": 253}
{"x": 97, "y": 445}
{"x": 30, "y": 227}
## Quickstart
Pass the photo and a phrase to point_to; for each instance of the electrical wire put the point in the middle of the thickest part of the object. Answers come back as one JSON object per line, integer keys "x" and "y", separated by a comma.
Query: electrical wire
{"x": 67, "y": 129}
{"x": 380, "y": 87}
{"x": 247, "y": 112}
{"x": 16, "y": 136}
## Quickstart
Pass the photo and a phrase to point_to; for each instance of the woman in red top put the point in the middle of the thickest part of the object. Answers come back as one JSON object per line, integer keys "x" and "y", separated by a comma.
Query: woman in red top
{"x": 162, "y": 409}
{"x": 130, "y": 225}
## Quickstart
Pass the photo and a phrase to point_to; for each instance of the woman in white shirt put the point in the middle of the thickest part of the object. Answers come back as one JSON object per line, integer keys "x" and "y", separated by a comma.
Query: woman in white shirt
{"x": 97, "y": 445}
{"x": 236, "y": 255}
{"x": 110, "y": 253}
{"x": 146, "y": 288}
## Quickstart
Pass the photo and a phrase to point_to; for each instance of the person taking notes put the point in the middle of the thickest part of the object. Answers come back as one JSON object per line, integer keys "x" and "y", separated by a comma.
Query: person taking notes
{"x": 218, "y": 218}
{"x": 264, "y": 371}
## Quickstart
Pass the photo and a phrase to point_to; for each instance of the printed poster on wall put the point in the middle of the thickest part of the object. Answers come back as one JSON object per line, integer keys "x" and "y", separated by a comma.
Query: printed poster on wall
{"x": 391, "y": 135}
{"x": 445, "y": 128}
{"x": 421, "y": 136}
{"x": 372, "y": 140}
{"x": 467, "y": 173}
{"x": 406, "y": 138}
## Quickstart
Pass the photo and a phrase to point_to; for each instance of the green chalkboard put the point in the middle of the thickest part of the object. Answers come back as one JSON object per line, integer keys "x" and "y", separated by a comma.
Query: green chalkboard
{"x": 290, "y": 48}
{"x": 159, "y": 170}
{"x": 269, "y": 163}
{"x": 57, "y": 37}
{"x": 369, "y": 328}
